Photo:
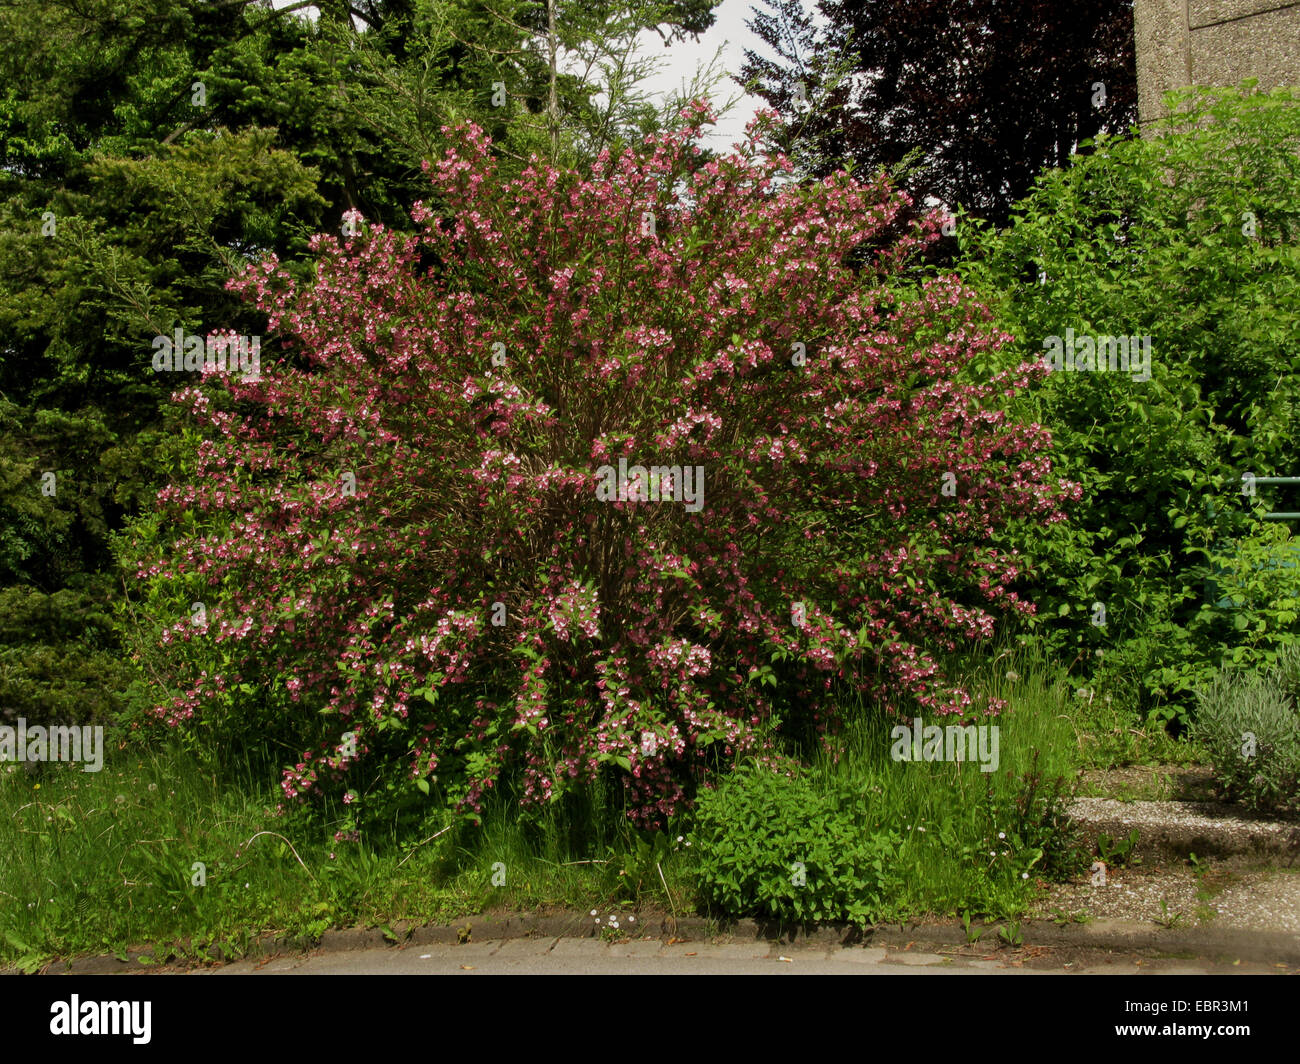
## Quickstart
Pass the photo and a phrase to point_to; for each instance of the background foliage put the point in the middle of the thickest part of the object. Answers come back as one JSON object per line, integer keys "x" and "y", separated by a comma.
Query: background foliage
{"x": 1190, "y": 238}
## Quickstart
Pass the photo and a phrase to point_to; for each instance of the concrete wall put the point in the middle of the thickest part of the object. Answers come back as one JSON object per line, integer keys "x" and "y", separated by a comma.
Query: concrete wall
{"x": 1213, "y": 42}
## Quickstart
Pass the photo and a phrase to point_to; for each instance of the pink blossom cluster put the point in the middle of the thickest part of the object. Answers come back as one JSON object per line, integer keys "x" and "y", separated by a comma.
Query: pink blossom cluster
{"x": 471, "y": 477}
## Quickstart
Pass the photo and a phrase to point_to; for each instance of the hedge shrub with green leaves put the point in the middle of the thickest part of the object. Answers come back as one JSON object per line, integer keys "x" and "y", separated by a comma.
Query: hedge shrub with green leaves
{"x": 1192, "y": 237}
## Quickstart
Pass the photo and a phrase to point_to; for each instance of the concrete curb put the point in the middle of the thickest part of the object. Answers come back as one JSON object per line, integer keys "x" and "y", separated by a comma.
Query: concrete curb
{"x": 1209, "y": 944}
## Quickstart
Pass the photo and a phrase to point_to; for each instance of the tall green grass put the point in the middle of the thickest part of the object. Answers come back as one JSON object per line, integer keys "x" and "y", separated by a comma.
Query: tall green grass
{"x": 105, "y": 862}
{"x": 972, "y": 840}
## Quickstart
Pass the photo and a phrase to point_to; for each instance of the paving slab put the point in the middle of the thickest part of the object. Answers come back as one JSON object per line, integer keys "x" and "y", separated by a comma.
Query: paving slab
{"x": 916, "y": 960}
{"x": 863, "y": 955}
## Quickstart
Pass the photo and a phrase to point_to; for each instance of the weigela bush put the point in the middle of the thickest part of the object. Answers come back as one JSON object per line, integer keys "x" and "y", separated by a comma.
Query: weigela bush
{"x": 421, "y": 555}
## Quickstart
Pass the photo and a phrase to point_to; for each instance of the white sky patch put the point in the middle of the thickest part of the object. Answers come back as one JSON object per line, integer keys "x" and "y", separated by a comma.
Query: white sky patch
{"x": 726, "y": 40}
{"x": 680, "y": 62}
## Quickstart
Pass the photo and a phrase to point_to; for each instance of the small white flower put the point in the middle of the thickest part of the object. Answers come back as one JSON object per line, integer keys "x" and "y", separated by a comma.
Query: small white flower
{"x": 593, "y": 912}
{"x": 1002, "y": 834}
{"x": 1024, "y": 875}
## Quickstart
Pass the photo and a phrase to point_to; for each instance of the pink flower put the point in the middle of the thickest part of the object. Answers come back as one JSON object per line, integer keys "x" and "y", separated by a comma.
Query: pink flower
{"x": 462, "y": 597}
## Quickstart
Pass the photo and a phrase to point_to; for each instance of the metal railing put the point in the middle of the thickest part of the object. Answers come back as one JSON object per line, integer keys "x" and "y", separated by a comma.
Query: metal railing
{"x": 1211, "y": 586}
{"x": 1280, "y": 515}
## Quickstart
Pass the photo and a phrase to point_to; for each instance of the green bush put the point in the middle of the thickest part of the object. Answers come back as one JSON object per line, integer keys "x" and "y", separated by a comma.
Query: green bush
{"x": 1249, "y": 723}
{"x": 1192, "y": 239}
{"x": 771, "y": 845}
{"x": 60, "y": 660}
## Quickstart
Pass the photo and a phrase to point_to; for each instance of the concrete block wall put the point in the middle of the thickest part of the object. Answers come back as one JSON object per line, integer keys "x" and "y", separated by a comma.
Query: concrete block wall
{"x": 1213, "y": 42}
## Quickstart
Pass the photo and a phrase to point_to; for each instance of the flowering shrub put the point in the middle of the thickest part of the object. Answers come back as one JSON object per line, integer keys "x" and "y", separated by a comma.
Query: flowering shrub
{"x": 427, "y": 554}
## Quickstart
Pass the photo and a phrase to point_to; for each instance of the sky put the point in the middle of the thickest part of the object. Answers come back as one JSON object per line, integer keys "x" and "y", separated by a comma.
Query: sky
{"x": 682, "y": 60}
{"x": 728, "y": 33}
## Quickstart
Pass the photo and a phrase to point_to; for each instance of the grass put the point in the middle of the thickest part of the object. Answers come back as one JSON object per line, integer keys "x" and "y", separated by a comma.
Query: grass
{"x": 972, "y": 841}
{"x": 152, "y": 851}
{"x": 158, "y": 852}
{"x": 1106, "y": 735}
